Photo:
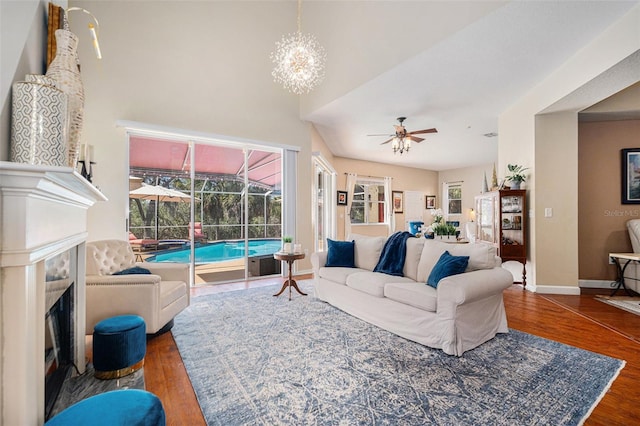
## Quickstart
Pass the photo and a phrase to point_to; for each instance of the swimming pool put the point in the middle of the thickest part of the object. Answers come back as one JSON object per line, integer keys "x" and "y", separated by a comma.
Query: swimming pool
{"x": 219, "y": 251}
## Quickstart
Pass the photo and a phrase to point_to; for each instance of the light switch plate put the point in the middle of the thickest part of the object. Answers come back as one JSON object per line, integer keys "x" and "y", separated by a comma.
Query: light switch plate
{"x": 548, "y": 212}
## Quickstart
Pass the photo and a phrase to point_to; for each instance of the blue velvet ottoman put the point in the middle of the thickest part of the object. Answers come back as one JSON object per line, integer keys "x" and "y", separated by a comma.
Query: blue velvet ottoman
{"x": 130, "y": 407}
{"x": 119, "y": 346}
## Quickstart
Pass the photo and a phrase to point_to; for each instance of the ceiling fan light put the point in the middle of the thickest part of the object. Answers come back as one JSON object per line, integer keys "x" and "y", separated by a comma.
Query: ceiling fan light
{"x": 402, "y": 139}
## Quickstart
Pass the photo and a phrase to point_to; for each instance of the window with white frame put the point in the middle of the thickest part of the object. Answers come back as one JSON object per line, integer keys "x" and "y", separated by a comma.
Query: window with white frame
{"x": 453, "y": 198}
{"x": 368, "y": 201}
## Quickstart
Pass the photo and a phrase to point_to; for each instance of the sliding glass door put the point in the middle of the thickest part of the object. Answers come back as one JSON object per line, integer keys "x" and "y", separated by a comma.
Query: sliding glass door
{"x": 235, "y": 223}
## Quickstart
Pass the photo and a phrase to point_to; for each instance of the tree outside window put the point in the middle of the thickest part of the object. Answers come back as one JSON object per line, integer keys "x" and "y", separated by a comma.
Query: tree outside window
{"x": 454, "y": 198}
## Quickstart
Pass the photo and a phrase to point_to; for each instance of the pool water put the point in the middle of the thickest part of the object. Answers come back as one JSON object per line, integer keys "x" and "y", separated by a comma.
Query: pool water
{"x": 219, "y": 251}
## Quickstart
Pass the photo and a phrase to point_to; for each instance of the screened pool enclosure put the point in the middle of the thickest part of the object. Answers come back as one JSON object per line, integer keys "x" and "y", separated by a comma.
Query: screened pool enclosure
{"x": 231, "y": 194}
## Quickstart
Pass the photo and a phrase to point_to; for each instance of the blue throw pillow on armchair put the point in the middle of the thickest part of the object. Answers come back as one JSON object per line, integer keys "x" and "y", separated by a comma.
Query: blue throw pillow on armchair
{"x": 136, "y": 270}
{"x": 447, "y": 265}
{"x": 340, "y": 253}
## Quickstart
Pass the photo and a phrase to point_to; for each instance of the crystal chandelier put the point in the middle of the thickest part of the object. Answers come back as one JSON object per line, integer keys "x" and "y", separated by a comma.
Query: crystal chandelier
{"x": 299, "y": 61}
{"x": 401, "y": 144}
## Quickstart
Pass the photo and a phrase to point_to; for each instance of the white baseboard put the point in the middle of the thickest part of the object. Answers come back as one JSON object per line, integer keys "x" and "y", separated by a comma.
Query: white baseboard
{"x": 595, "y": 284}
{"x": 556, "y": 289}
{"x": 303, "y": 272}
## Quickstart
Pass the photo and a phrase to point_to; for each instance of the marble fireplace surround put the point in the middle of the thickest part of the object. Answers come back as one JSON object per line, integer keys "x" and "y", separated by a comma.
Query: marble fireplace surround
{"x": 43, "y": 212}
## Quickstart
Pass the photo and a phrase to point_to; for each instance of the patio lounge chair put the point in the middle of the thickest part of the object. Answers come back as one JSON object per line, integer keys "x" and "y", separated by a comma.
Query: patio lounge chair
{"x": 198, "y": 235}
{"x": 142, "y": 245}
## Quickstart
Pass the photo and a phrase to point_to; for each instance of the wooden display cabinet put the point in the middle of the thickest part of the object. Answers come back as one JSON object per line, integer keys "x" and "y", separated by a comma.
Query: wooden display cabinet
{"x": 502, "y": 221}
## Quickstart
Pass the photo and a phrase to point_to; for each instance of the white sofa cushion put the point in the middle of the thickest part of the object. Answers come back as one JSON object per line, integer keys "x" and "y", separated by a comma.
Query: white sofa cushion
{"x": 431, "y": 252}
{"x": 412, "y": 258}
{"x": 481, "y": 256}
{"x": 413, "y": 294}
{"x": 373, "y": 282}
{"x": 337, "y": 274}
{"x": 367, "y": 250}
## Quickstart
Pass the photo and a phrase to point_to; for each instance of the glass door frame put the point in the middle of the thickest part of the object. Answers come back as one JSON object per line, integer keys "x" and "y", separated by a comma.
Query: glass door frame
{"x": 187, "y": 137}
{"x": 324, "y": 227}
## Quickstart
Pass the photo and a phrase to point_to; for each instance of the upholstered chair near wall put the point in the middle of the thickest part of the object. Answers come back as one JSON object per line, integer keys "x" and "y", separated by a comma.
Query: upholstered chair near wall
{"x": 157, "y": 292}
{"x": 470, "y": 231}
{"x": 633, "y": 226}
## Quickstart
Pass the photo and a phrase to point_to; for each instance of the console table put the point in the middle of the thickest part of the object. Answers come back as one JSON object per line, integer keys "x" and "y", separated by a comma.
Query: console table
{"x": 618, "y": 259}
{"x": 289, "y": 282}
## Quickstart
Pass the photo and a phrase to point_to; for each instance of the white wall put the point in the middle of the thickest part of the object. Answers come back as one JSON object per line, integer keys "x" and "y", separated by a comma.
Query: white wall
{"x": 582, "y": 81}
{"x": 23, "y": 42}
{"x": 187, "y": 66}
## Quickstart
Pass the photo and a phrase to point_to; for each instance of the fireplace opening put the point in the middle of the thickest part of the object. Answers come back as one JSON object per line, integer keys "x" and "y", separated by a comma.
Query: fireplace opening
{"x": 59, "y": 339}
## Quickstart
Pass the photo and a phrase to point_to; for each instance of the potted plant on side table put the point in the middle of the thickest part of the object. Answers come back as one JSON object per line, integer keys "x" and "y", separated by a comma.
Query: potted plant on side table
{"x": 444, "y": 231}
{"x": 286, "y": 244}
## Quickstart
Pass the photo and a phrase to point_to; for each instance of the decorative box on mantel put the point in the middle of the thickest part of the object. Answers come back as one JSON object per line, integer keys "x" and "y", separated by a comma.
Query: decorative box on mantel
{"x": 43, "y": 216}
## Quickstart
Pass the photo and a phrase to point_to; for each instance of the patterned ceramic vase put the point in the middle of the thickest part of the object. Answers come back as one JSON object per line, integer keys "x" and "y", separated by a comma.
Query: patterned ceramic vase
{"x": 64, "y": 70}
{"x": 38, "y": 122}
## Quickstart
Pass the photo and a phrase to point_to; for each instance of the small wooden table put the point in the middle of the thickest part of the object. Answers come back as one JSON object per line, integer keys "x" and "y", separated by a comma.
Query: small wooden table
{"x": 289, "y": 282}
{"x": 629, "y": 257}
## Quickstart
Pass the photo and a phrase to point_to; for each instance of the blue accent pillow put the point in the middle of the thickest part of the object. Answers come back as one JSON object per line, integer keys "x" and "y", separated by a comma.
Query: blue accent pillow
{"x": 136, "y": 270}
{"x": 340, "y": 253}
{"x": 447, "y": 265}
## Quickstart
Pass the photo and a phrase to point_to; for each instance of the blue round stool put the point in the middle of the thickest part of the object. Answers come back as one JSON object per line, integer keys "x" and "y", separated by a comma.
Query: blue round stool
{"x": 131, "y": 407}
{"x": 119, "y": 346}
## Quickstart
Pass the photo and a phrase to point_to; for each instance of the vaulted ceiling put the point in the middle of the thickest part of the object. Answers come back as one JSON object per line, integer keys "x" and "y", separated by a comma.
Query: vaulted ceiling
{"x": 454, "y": 66}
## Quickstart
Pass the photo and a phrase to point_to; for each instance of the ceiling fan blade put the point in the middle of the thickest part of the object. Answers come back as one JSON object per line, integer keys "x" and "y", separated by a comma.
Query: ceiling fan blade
{"x": 381, "y": 134}
{"x": 387, "y": 141}
{"x": 417, "y": 132}
{"x": 414, "y": 138}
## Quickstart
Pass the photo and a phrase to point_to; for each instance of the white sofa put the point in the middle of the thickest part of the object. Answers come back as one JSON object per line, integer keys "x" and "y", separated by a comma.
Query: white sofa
{"x": 464, "y": 311}
{"x": 157, "y": 297}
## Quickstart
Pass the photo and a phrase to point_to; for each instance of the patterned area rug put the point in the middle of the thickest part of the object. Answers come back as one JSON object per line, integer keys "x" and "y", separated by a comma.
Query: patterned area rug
{"x": 255, "y": 359}
{"x": 628, "y": 303}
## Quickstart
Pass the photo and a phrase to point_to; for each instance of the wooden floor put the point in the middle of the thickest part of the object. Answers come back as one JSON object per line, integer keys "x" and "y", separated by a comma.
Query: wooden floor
{"x": 579, "y": 321}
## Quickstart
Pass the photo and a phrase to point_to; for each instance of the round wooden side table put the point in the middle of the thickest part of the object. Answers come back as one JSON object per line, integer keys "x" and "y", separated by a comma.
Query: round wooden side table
{"x": 289, "y": 282}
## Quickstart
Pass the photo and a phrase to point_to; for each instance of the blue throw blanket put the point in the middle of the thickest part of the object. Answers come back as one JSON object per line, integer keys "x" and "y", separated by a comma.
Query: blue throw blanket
{"x": 393, "y": 253}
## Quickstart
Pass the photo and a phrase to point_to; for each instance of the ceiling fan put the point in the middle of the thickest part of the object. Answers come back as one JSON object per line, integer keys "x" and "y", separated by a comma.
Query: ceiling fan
{"x": 402, "y": 139}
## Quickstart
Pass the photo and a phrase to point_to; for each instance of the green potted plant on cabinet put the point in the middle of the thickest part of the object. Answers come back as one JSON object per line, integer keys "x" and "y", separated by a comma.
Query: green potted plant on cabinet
{"x": 516, "y": 175}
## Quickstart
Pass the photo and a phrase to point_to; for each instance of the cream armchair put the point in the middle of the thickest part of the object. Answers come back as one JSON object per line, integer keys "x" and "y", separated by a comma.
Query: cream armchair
{"x": 633, "y": 227}
{"x": 157, "y": 298}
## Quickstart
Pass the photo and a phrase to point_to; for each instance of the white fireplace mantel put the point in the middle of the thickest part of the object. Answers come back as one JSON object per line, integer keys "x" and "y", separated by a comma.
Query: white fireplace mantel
{"x": 43, "y": 212}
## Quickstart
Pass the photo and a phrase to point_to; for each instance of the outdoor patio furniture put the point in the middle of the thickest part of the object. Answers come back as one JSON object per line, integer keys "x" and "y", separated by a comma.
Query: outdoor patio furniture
{"x": 198, "y": 235}
{"x": 142, "y": 245}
